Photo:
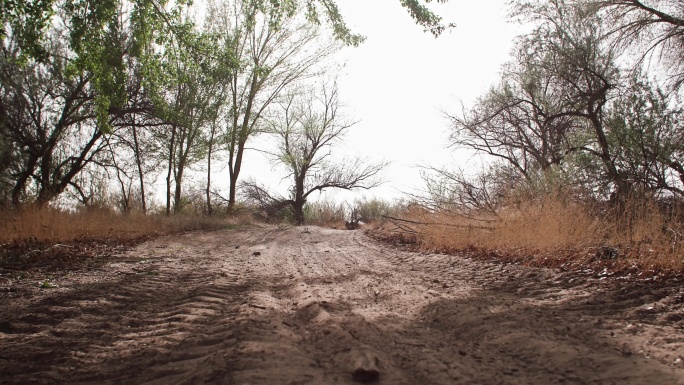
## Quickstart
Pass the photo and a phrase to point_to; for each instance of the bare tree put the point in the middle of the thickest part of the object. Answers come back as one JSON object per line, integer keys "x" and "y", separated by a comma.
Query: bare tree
{"x": 457, "y": 192}
{"x": 554, "y": 98}
{"x": 274, "y": 50}
{"x": 49, "y": 118}
{"x": 306, "y": 128}
{"x": 566, "y": 117}
{"x": 651, "y": 30}
{"x": 516, "y": 123}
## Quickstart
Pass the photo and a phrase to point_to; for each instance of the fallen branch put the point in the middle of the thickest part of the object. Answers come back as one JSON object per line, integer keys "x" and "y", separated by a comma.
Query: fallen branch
{"x": 214, "y": 193}
{"x": 395, "y": 221}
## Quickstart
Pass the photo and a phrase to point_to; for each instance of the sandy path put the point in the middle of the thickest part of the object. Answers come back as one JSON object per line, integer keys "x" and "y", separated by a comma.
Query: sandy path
{"x": 269, "y": 305}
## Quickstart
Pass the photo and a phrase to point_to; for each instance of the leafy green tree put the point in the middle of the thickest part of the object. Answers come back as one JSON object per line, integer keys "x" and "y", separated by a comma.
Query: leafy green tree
{"x": 26, "y": 22}
{"x": 646, "y": 129}
{"x": 92, "y": 25}
{"x": 68, "y": 67}
{"x": 29, "y": 19}
{"x": 64, "y": 80}
{"x": 48, "y": 117}
{"x": 187, "y": 99}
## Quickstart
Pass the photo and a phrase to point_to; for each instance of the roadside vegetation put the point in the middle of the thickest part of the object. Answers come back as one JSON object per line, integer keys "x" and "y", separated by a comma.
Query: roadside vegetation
{"x": 582, "y": 144}
{"x": 581, "y": 140}
{"x": 40, "y": 237}
{"x": 58, "y": 226}
{"x": 645, "y": 241}
{"x": 370, "y": 212}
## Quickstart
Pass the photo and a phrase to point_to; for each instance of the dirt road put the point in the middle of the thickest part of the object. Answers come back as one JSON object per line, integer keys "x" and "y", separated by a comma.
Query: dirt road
{"x": 268, "y": 305}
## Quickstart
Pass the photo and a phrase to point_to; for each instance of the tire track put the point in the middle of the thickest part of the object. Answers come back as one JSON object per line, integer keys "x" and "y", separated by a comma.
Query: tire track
{"x": 283, "y": 305}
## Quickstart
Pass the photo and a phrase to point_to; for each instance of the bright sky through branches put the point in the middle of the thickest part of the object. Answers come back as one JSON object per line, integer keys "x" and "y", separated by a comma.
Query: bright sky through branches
{"x": 400, "y": 78}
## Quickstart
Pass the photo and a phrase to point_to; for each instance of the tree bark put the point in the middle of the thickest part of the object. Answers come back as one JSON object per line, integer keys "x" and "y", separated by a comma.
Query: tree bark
{"x": 177, "y": 204}
{"x": 299, "y": 199}
{"x": 170, "y": 170}
{"x": 210, "y": 149}
{"x": 138, "y": 162}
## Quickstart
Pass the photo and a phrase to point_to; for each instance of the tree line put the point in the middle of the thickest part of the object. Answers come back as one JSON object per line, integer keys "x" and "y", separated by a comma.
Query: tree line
{"x": 95, "y": 94}
{"x": 588, "y": 104}
{"x": 130, "y": 90}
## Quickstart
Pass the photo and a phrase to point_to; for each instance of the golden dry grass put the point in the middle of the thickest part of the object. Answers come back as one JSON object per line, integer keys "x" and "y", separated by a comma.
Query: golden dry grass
{"x": 50, "y": 225}
{"x": 553, "y": 232}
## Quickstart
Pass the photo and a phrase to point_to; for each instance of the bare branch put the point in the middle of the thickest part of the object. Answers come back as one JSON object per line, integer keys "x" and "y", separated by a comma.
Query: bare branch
{"x": 309, "y": 124}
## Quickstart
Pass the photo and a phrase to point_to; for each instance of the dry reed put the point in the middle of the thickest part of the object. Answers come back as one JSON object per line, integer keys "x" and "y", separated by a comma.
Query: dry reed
{"x": 641, "y": 239}
{"x": 51, "y": 225}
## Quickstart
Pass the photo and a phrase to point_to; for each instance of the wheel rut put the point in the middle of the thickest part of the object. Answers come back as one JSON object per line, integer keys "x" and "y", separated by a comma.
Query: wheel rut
{"x": 286, "y": 305}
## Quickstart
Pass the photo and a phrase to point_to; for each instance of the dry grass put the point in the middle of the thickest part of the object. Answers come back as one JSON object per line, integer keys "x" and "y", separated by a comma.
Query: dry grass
{"x": 325, "y": 213}
{"x": 50, "y": 225}
{"x": 553, "y": 232}
{"x": 54, "y": 240}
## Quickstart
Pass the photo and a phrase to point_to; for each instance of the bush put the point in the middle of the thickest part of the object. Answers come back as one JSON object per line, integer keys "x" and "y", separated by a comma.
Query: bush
{"x": 373, "y": 210}
{"x": 325, "y": 213}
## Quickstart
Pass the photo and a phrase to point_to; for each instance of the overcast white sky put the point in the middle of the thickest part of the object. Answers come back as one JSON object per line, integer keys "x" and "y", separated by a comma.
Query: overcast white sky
{"x": 397, "y": 82}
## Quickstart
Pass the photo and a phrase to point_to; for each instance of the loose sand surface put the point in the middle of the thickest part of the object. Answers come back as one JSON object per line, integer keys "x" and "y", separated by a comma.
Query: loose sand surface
{"x": 307, "y": 305}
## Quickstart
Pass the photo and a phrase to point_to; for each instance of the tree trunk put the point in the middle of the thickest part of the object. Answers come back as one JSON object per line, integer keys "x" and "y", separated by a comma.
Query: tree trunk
{"x": 45, "y": 194}
{"x": 299, "y": 212}
{"x": 299, "y": 200}
{"x": 20, "y": 184}
{"x": 234, "y": 173}
{"x": 242, "y": 136}
{"x": 177, "y": 194}
{"x": 179, "y": 181}
{"x": 232, "y": 190}
{"x": 232, "y": 147}
{"x": 186, "y": 141}
{"x": 621, "y": 187}
{"x": 125, "y": 197}
{"x": 211, "y": 147}
{"x": 138, "y": 162}
{"x": 170, "y": 170}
